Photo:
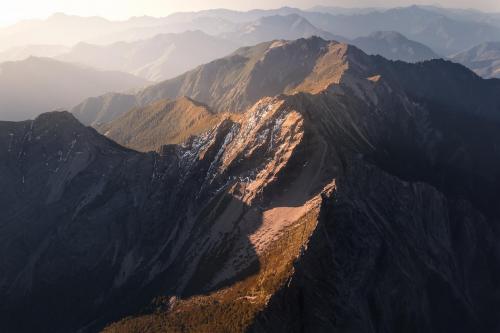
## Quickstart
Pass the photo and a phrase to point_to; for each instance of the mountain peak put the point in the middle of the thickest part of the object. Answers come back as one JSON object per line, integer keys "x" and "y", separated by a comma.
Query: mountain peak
{"x": 58, "y": 117}
{"x": 390, "y": 34}
{"x": 279, "y": 67}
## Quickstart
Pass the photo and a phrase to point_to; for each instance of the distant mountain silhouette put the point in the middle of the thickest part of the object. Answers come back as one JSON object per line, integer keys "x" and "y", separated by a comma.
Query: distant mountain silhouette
{"x": 268, "y": 28}
{"x": 58, "y": 29}
{"x": 394, "y": 46}
{"x": 37, "y": 85}
{"x": 161, "y": 57}
{"x": 23, "y": 52}
{"x": 446, "y": 31}
{"x": 484, "y": 59}
{"x": 441, "y": 33}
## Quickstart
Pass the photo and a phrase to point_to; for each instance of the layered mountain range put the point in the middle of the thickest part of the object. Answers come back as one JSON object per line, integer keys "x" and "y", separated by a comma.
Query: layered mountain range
{"x": 235, "y": 82}
{"x": 165, "y": 56}
{"x": 394, "y": 46}
{"x": 335, "y": 191}
{"x": 292, "y": 26}
{"x": 441, "y": 30}
{"x": 446, "y": 30}
{"x": 35, "y": 84}
{"x": 155, "y": 59}
{"x": 26, "y": 51}
{"x": 158, "y": 49}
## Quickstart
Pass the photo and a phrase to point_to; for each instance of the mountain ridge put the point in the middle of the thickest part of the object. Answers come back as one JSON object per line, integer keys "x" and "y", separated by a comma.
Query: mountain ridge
{"x": 354, "y": 200}
{"x": 246, "y": 68}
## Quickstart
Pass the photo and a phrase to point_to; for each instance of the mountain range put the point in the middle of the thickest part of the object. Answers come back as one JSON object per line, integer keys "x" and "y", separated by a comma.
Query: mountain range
{"x": 446, "y": 31}
{"x": 168, "y": 55}
{"x": 23, "y": 52}
{"x": 292, "y": 26}
{"x": 241, "y": 78}
{"x": 442, "y": 33}
{"x": 287, "y": 170}
{"x": 36, "y": 85}
{"x": 394, "y": 46}
{"x": 165, "y": 56}
{"x": 337, "y": 192}
{"x": 157, "y": 49}
{"x": 228, "y": 84}
{"x": 161, "y": 57}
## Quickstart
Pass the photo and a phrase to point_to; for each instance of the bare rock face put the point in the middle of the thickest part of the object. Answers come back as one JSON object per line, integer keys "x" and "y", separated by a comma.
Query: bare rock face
{"x": 355, "y": 200}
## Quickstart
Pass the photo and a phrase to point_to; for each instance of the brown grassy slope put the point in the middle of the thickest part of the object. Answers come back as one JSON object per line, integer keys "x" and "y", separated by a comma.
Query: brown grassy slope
{"x": 160, "y": 123}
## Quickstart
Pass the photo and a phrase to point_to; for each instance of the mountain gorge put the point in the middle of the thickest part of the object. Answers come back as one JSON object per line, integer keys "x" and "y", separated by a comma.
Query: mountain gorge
{"x": 329, "y": 191}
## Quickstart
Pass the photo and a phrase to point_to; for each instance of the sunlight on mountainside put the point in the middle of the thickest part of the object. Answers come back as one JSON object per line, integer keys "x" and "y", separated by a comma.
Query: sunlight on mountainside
{"x": 267, "y": 166}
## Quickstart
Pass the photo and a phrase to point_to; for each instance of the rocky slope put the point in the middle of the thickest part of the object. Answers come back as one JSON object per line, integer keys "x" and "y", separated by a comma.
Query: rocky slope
{"x": 36, "y": 85}
{"x": 483, "y": 59}
{"x": 362, "y": 200}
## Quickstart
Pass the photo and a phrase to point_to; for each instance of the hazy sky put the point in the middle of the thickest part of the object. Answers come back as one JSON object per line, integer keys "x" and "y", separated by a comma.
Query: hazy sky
{"x": 14, "y": 10}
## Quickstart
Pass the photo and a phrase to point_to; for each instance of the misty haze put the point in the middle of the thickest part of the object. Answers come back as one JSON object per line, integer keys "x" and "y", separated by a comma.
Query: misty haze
{"x": 266, "y": 166}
